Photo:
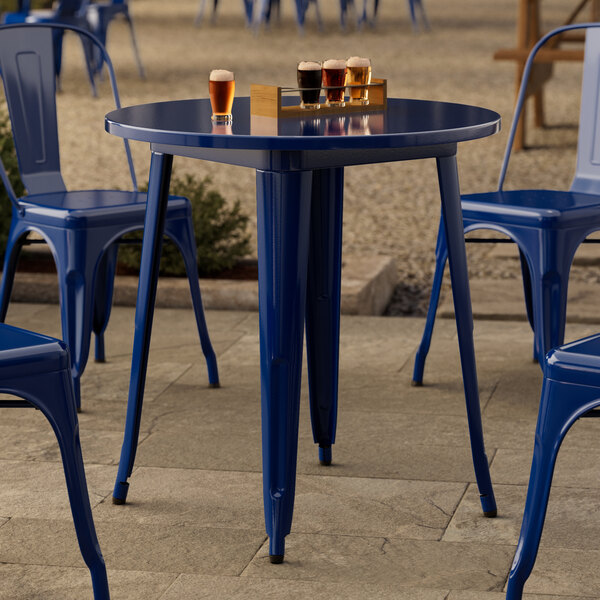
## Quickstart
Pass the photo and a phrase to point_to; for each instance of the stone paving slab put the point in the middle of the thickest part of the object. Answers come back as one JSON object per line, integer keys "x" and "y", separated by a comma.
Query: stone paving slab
{"x": 570, "y": 521}
{"x": 41, "y": 582}
{"x": 197, "y": 587}
{"x": 388, "y": 560}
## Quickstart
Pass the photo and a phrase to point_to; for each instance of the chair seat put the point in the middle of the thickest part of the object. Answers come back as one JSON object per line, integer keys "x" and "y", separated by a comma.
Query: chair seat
{"x": 24, "y": 353}
{"x": 577, "y": 362}
{"x": 89, "y": 208}
{"x": 531, "y": 208}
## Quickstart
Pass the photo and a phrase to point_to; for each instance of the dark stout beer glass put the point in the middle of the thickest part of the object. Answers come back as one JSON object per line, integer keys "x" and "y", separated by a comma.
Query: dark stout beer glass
{"x": 310, "y": 75}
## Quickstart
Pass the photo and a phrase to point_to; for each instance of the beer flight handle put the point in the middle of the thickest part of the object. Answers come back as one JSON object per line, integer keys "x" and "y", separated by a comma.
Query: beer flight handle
{"x": 267, "y": 101}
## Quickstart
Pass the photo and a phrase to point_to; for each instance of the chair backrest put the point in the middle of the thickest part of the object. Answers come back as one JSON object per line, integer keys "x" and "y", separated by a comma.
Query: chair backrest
{"x": 587, "y": 173}
{"x": 67, "y": 8}
{"x": 27, "y": 68}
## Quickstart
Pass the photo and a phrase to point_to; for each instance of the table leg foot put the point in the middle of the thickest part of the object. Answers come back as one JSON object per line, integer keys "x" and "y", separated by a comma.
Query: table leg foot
{"x": 416, "y": 383}
{"x": 276, "y": 559}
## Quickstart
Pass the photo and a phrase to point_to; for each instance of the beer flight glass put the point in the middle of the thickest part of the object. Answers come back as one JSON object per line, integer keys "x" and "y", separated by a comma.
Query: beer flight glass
{"x": 310, "y": 75}
{"x": 221, "y": 89}
{"x": 334, "y": 81}
{"x": 359, "y": 74}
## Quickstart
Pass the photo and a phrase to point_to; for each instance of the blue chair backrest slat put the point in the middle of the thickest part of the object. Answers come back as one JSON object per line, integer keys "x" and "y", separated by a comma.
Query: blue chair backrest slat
{"x": 27, "y": 67}
{"x": 587, "y": 174}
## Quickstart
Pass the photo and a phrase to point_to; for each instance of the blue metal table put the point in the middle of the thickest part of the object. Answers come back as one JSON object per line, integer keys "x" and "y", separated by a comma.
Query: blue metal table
{"x": 299, "y": 190}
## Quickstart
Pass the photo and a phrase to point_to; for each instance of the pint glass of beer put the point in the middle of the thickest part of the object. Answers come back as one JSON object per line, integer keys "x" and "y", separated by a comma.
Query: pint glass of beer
{"x": 334, "y": 77}
{"x": 359, "y": 73}
{"x": 221, "y": 88}
{"x": 310, "y": 75}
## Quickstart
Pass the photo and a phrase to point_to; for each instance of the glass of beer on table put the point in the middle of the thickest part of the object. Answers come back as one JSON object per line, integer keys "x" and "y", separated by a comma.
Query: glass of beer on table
{"x": 221, "y": 88}
{"x": 310, "y": 74}
{"x": 359, "y": 73}
{"x": 334, "y": 76}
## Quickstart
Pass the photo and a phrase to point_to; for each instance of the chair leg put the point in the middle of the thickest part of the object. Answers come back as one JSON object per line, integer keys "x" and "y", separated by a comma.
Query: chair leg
{"x": 11, "y": 259}
{"x": 181, "y": 232}
{"x": 527, "y": 291}
{"x": 103, "y": 294}
{"x": 88, "y": 57}
{"x": 318, "y": 15}
{"x": 413, "y": 16}
{"x": 76, "y": 286}
{"x": 136, "y": 52}
{"x": 200, "y": 13}
{"x": 560, "y": 406}
{"x": 441, "y": 256}
{"x": 343, "y": 13}
{"x": 52, "y": 393}
{"x": 549, "y": 263}
{"x": 424, "y": 19}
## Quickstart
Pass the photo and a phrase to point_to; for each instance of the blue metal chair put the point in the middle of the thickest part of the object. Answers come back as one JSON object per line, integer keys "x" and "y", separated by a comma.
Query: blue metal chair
{"x": 68, "y": 12}
{"x": 81, "y": 227}
{"x": 99, "y": 15}
{"x": 36, "y": 368}
{"x": 547, "y": 225}
{"x": 413, "y": 7}
{"x": 570, "y": 390}
{"x": 248, "y": 11}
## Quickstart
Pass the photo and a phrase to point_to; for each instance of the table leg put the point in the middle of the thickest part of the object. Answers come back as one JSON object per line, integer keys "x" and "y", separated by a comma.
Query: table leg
{"x": 283, "y": 202}
{"x": 323, "y": 305}
{"x": 457, "y": 259}
{"x": 154, "y": 225}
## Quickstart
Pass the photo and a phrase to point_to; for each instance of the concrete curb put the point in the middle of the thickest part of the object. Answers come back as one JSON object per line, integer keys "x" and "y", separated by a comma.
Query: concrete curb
{"x": 367, "y": 286}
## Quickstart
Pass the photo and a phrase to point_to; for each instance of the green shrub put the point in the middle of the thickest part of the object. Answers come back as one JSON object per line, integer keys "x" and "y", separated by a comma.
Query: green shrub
{"x": 13, "y": 5}
{"x": 221, "y": 236}
{"x": 9, "y": 158}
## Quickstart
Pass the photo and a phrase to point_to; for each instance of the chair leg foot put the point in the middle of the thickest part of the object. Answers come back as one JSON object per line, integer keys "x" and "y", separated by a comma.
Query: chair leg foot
{"x": 488, "y": 505}
{"x": 276, "y": 559}
{"x": 120, "y": 492}
{"x": 325, "y": 455}
{"x": 214, "y": 385}
{"x": 416, "y": 383}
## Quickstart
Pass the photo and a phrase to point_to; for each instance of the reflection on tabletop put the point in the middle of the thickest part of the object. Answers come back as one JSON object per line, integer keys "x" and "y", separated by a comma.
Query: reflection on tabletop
{"x": 315, "y": 125}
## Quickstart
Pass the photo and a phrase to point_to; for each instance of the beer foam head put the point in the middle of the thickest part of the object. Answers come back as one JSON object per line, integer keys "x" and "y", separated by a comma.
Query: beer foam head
{"x": 309, "y": 65}
{"x": 334, "y": 63}
{"x": 357, "y": 61}
{"x": 221, "y": 75}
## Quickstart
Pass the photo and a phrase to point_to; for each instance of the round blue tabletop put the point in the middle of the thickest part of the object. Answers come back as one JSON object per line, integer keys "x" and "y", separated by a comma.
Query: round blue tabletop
{"x": 405, "y": 123}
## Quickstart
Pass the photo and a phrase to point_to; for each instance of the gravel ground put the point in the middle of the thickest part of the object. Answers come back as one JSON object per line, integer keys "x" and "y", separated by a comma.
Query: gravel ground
{"x": 389, "y": 209}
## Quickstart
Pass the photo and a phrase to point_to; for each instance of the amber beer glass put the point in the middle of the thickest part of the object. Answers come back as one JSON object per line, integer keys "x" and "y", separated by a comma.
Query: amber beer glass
{"x": 221, "y": 88}
{"x": 334, "y": 76}
{"x": 310, "y": 74}
{"x": 359, "y": 73}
